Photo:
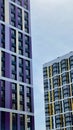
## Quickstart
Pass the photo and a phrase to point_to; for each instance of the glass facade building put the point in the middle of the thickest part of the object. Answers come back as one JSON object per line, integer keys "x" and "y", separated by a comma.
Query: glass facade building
{"x": 58, "y": 93}
{"x": 16, "y": 83}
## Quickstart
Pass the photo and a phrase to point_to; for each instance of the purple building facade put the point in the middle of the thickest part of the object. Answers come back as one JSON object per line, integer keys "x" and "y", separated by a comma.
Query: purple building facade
{"x": 16, "y": 83}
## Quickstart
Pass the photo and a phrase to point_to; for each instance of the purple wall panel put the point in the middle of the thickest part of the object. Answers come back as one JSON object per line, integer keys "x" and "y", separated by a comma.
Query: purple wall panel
{"x": 23, "y": 3}
{"x": 0, "y": 35}
{"x": 0, "y": 9}
{"x": 7, "y": 94}
{"x": 7, "y": 65}
{"x": 24, "y": 70}
{"x": 18, "y": 121}
{"x": 7, "y": 46}
{"x": 29, "y": 20}
{"x": 31, "y": 74}
{"x": 0, "y": 93}
{"x": 25, "y": 98}
{"x": 9, "y": 13}
{"x": 29, "y": 7}
{"x": 33, "y": 126}
{"x": 7, "y": 121}
{"x": 23, "y": 44}
{"x": 10, "y": 96}
{"x": 17, "y": 69}
{"x": 0, "y": 120}
{"x": 16, "y": 17}
{"x": 10, "y": 45}
{"x": 30, "y": 48}
{"x": 32, "y": 100}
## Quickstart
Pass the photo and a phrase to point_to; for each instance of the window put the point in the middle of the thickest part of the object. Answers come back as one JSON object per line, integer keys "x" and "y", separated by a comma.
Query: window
{"x": 13, "y": 33}
{"x": 14, "y": 73}
{"x": 66, "y": 91}
{"x": 13, "y": 40}
{"x": 13, "y": 76}
{"x": 12, "y": 7}
{"x": 3, "y": 63}
{"x": 2, "y": 120}
{"x": 28, "y": 99}
{"x": 28, "y": 80}
{"x": 21, "y": 61}
{"x": 19, "y": 11}
{"x": 13, "y": 58}
{"x": 19, "y": 2}
{"x": 29, "y": 119}
{"x": 22, "y": 122}
{"x": 2, "y": 35}
{"x": 19, "y": 18}
{"x": 2, "y": 84}
{"x": 20, "y": 44}
{"x": 2, "y": 10}
{"x": 13, "y": 96}
{"x": 71, "y": 62}
{"x": 28, "y": 72}
{"x": 20, "y": 36}
{"x": 65, "y": 78}
{"x": 2, "y": 93}
{"x": 55, "y": 68}
{"x": 13, "y": 106}
{"x": 45, "y": 72}
{"x": 12, "y": 14}
{"x": 27, "y": 54}
{"x": 26, "y": 4}
{"x": 13, "y": 68}
{"x": 13, "y": 86}
{"x": 26, "y": 39}
{"x": 72, "y": 88}
{"x": 21, "y": 98}
{"x": 71, "y": 75}
{"x": 21, "y": 88}
{"x": 27, "y": 46}
{"x": 21, "y": 107}
{"x": 20, "y": 25}
{"x": 20, "y": 52}
{"x": 64, "y": 65}
{"x": 56, "y": 81}
{"x": 26, "y": 23}
{"x": 20, "y": 41}
{"x": 28, "y": 90}
{"x": 27, "y": 63}
{"x": 14, "y": 121}
{"x": 20, "y": 78}
{"x": 21, "y": 70}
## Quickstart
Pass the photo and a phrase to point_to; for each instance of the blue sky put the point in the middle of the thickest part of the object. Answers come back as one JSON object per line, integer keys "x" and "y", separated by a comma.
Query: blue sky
{"x": 52, "y": 36}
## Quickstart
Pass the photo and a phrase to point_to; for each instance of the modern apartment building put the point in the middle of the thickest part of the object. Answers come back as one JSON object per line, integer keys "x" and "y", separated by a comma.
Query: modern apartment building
{"x": 58, "y": 93}
{"x": 16, "y": 83}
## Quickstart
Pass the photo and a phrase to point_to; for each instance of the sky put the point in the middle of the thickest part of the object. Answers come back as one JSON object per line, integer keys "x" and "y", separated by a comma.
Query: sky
{"x": 52, "y": 36}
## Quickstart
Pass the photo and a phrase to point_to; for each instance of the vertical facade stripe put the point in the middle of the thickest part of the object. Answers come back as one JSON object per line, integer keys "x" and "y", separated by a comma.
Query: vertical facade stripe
{"x": 10, "y": 121}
